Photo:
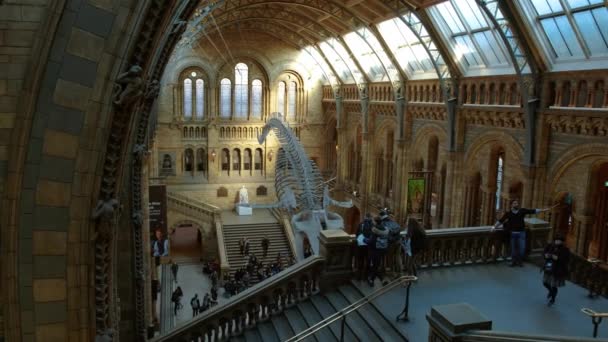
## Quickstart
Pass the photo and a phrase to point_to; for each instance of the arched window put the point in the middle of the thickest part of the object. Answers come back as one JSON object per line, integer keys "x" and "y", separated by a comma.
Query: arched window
{"x": 281, "y": 97}
{"x": 258, "y": 159}
{"x": 225, "y": 159}
{"x": 240, "y": 90}
{"x": 247, "y": 160}
{"x": 225, "y": 98}
{"x": 188, "y": 98}
{"x": 256, "y": 99}
{"x": 291, "y": 100}
{"x": 236, "y": 159}
{"x": 188, "y": 160}
{"x": 499, "y": 178}
{"x": 201, "y": 160}
{"x": 200, "y": 99}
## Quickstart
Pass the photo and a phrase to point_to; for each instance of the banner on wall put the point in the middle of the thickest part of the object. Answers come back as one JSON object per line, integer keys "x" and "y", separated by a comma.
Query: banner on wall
{"x": 415, "y": 195}
{"x": 158, "y": 219}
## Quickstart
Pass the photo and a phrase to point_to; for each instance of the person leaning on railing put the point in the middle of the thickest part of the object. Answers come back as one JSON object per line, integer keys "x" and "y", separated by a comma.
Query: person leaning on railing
{"x": 514, "y": 225}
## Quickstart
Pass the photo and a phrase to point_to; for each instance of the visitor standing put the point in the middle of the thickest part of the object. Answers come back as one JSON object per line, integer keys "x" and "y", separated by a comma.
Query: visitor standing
{"x": 514, "y": 225}
{"x": 242, "y": 245}
{"x": 246, "y": 246}
{"x": 265, "y": 245}
{"x": 195, "y": 303}
{"x": 174, "y": 269}
{"x": 364, "y": 233}
{"x": 555, "y": 269}
{"x": 378, "y": 244}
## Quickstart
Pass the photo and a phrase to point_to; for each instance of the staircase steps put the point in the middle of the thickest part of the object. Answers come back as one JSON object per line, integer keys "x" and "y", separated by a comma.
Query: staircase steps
{"x": 372, "y": 316}
{"x": 297, "y": 322}
{"x": 356, "y": 323}
{"x": 311, "y": 317}
{"x": 325, "y": 308}
{"x": 366, "y": 324}
{"x": 282, "y": 327}
{"x": 266, "y": 330}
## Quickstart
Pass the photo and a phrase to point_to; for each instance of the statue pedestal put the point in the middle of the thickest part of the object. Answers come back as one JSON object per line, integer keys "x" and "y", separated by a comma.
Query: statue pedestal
{"x": 244, "y": 209}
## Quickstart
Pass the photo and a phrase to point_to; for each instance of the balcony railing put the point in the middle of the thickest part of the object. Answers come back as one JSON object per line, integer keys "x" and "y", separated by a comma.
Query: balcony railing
{"x": 253, "y": 305}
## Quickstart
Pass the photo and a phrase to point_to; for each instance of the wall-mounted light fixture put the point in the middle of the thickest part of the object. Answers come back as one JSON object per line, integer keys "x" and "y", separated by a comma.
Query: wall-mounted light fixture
{"x": 270, "y": 154}
{"x": 213, "y": 154}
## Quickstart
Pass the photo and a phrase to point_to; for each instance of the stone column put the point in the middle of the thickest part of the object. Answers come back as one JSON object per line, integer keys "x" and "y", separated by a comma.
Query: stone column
{"x": 336, "y": 246}
{"x": 448, "y": 193}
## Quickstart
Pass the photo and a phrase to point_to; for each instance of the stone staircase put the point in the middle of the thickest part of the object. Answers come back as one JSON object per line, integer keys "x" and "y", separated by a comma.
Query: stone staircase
{"x": 366, "y": 324}
{"x": 255, "y": 232}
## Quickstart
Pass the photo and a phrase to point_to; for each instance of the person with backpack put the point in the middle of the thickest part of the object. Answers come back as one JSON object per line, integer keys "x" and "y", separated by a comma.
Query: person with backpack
{"x": 394, "y": 241}
{"x": 176, "y": 298}
{"x": 555, "y": 269}
{"x": 195, "y": 303}
{"x": 378, "y": 244}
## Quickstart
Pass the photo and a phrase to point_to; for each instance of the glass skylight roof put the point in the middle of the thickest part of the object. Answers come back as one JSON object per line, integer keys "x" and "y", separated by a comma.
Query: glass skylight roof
{"x": 367, "y": 58}
{"x": 408, "y": 50}
{"x": 475, "y": 42}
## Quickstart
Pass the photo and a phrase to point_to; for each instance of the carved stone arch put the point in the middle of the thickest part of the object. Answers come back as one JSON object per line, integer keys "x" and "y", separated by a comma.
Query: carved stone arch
{"x": 190, "y": 62}
{"x": 511, "y": 145}
{"x": 387, "y": 123}
{"x": 429, "y": 129}
{"x": 569, "y": 157}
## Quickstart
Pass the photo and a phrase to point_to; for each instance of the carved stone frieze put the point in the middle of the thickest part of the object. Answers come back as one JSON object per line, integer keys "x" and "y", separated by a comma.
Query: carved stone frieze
{"x": 386, "y": 109}
{"x": 583, "y": 125}
{"x": 429, "y": 113}
{"x": 495, "y": 119}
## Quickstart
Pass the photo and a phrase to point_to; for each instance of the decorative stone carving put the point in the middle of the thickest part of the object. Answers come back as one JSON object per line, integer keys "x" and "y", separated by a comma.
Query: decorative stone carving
{"x": 495, "y": 119}
{"x": 436, "y": 113}
{"x": 129, "y": 87}
{"x": 105, "y": 210}
{"x": 583, "y": 125}
{"x": 138, "y": 218}
{"x": 152, "y": 90}
{"x": 139, "y": 151}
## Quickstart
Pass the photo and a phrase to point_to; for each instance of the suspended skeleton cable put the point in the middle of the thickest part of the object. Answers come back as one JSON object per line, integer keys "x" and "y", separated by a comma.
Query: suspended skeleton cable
{"x": 222, "y": 38}
{"x": 216, "y": 49}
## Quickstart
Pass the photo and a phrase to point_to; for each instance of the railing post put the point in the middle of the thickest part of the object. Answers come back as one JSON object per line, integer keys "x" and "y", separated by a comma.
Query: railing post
{"x": 448, "y": 322}
{"x": 537, "y": 233}
{"x": 342, "y": 329}
{"x": 336, "y": 247}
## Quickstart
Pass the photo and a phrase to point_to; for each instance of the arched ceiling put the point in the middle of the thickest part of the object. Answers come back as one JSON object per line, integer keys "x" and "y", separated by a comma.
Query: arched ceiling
{"x": 433, "y": 38}
{"x": 314, "y": 20}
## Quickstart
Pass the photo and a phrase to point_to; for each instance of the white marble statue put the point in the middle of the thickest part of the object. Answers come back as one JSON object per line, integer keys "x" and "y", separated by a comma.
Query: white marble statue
{"x": 243, "y": 196}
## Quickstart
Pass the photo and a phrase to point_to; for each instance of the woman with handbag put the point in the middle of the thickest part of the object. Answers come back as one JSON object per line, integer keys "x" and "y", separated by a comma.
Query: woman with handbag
{"x": 555, "y": 269}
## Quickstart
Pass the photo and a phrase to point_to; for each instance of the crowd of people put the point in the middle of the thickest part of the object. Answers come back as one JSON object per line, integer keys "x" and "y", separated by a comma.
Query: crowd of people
{"x": 380, "y": 243}
{"x": 246, "y": 276}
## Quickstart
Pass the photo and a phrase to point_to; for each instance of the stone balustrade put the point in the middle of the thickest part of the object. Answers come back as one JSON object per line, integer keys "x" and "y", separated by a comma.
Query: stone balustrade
{"x": 191, "y": 207}
{"x": 590, "y": 274}
{"x": 253, "y": 305}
